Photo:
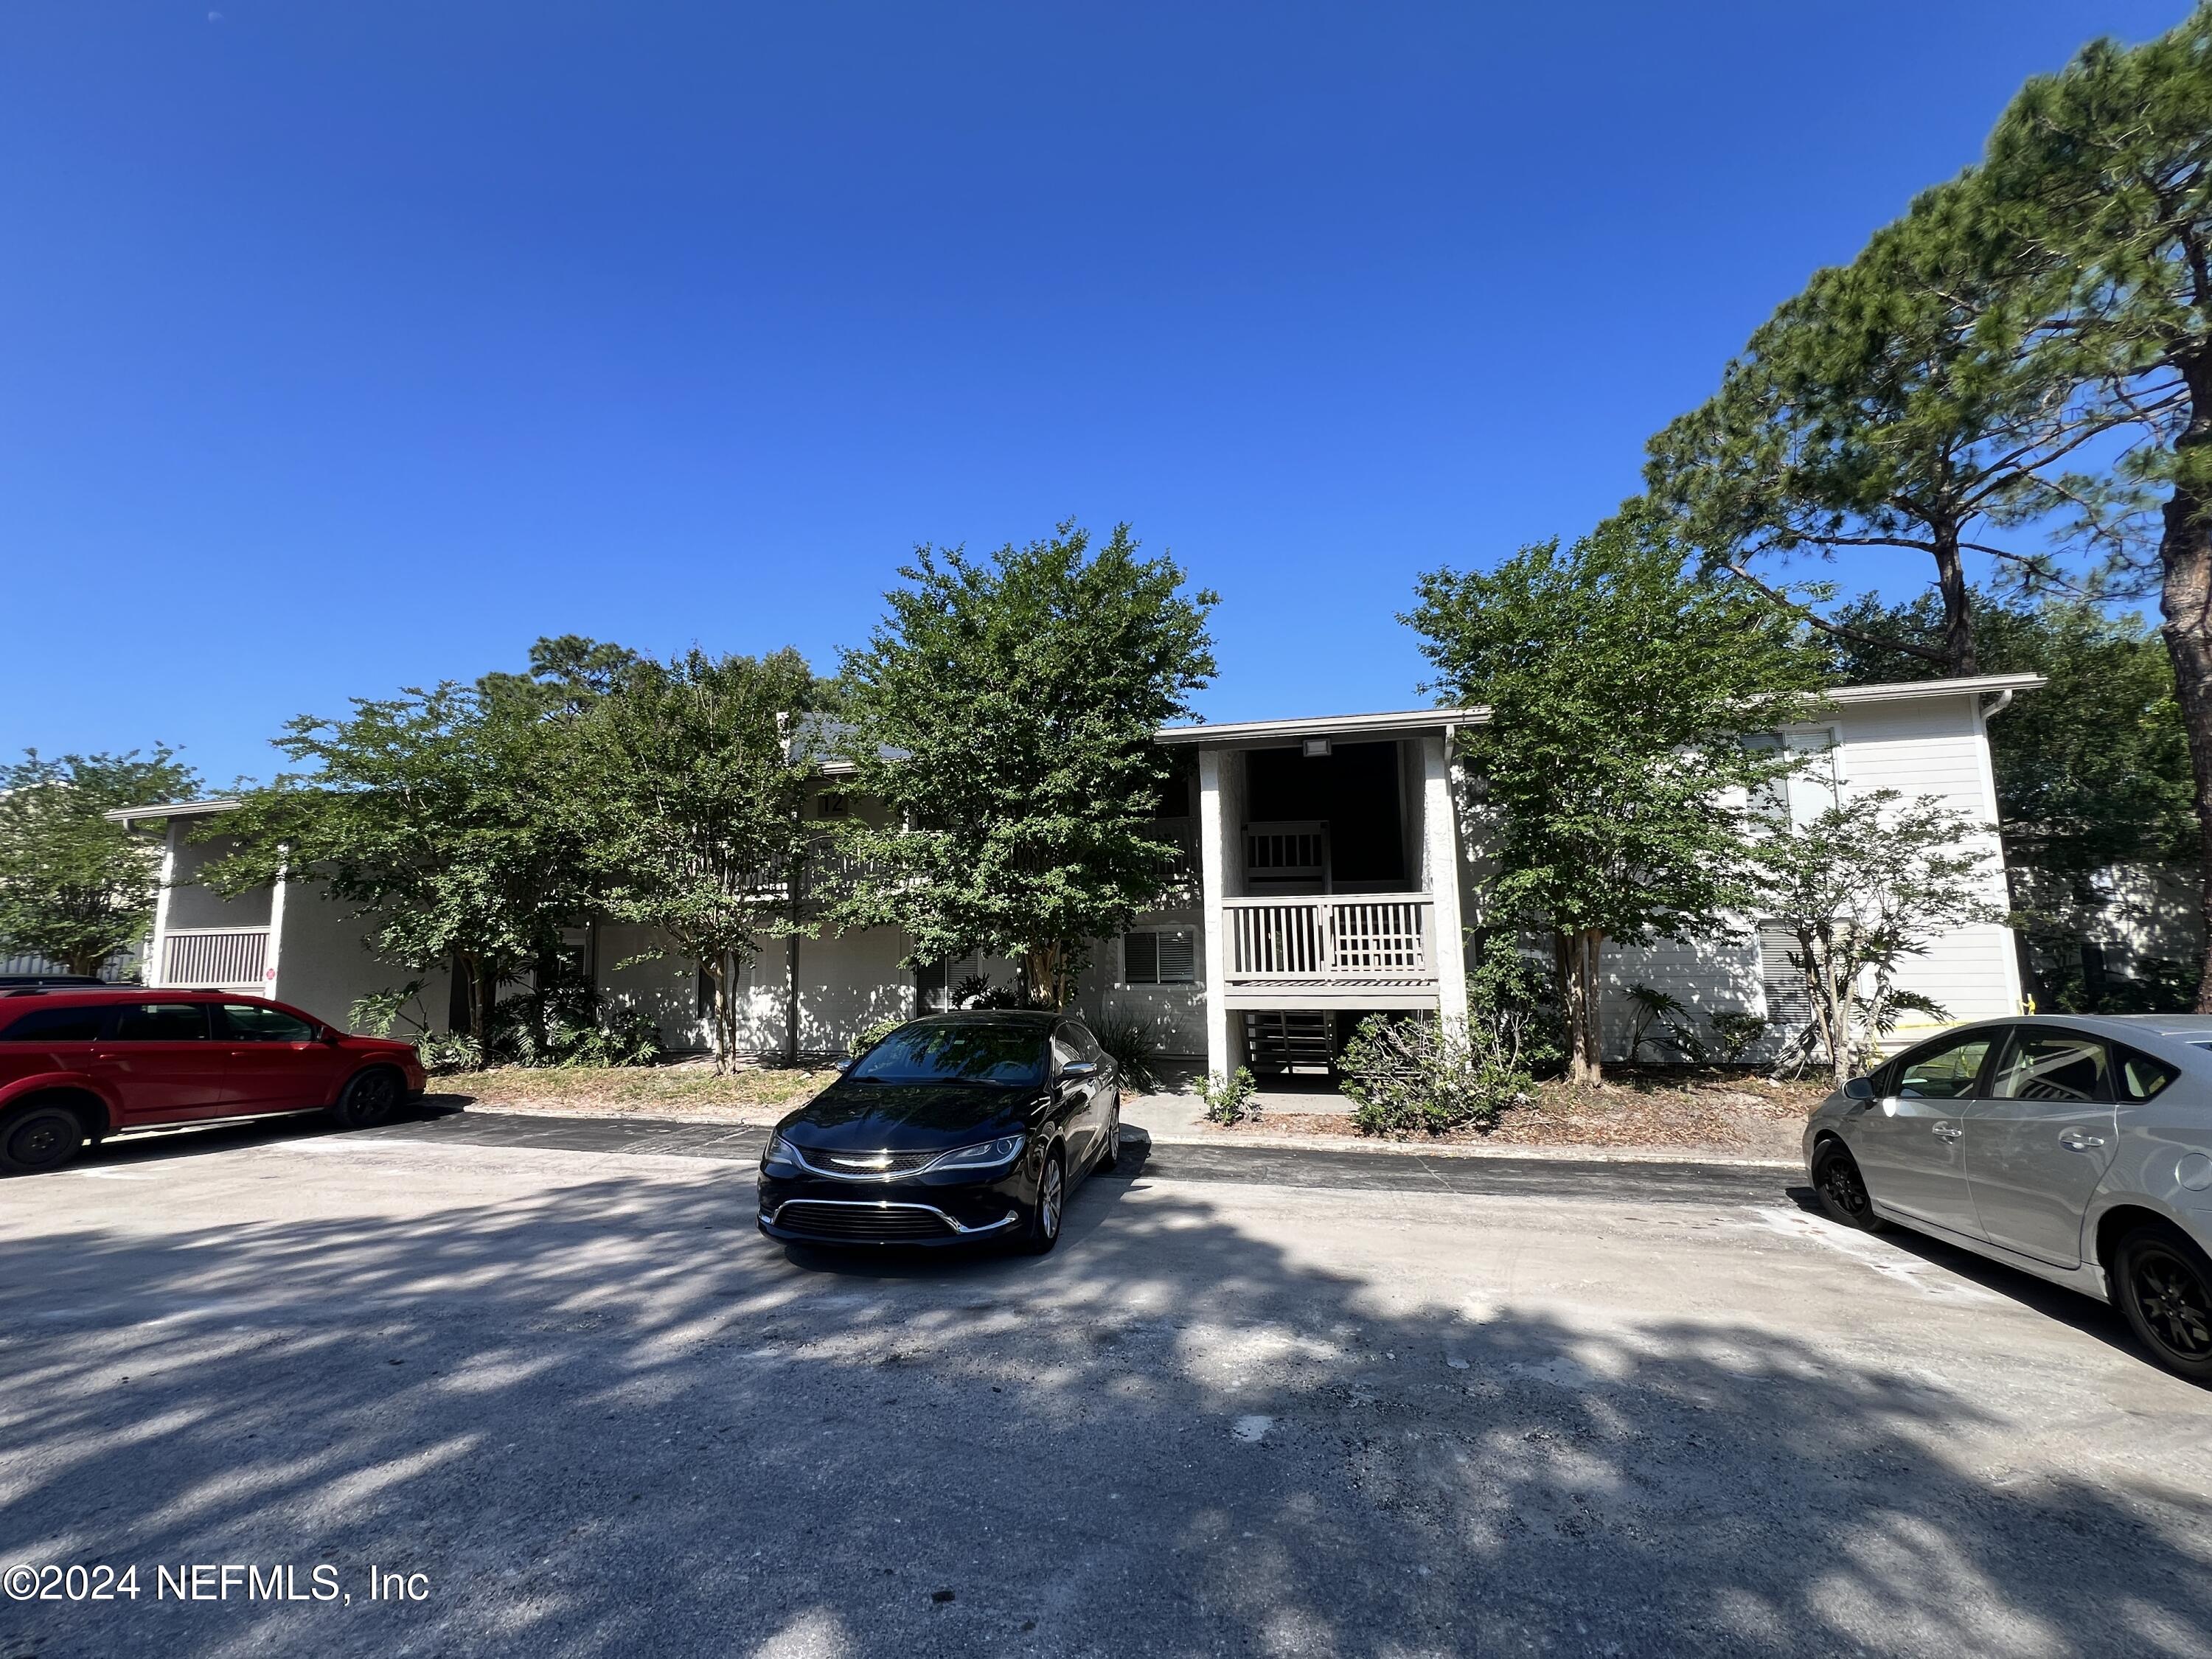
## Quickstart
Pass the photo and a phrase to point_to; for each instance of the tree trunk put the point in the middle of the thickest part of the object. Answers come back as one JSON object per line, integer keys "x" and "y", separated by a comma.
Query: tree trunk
{"x": 2185, "y": 601}
{"x": 1593, "y": 1011}
{"x": 481, "y": 988}
{"x": 1044, "y": 974}
{"x": 1839, "y": 991}
{"x": 717, "y": 967}
{"x": 791, "y": 1003}
{"x": 1958, "y": 616}
{"x": 1574, "y": 956}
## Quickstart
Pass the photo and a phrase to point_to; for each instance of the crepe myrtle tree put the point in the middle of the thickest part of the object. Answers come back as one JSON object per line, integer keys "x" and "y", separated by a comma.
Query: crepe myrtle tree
{"x": 1003, "y": 710}
{"x": 1864, "y": 886}
{"x": 437, "y": 818}
{"x": 74, "y": 887}
{"x": 1610, "y": 780}
{"x": 694, "y": 798}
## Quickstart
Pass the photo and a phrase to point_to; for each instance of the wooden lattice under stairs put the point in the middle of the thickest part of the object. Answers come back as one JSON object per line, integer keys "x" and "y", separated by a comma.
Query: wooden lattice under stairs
{"x": 1280, "y": 1042}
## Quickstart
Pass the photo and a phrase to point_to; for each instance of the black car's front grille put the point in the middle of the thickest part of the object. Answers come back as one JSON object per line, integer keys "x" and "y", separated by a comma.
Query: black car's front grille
{"x": 847, "y": 1163}
{"x": 872, "y": 1221}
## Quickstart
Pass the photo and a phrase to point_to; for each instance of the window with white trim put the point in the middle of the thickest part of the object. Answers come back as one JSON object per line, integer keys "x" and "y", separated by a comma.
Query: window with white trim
{"x": 1160, "y": 956}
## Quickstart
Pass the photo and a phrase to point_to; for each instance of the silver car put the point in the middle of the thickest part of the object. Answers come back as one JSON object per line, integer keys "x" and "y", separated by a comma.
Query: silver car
{"x": 2078, "y": 1149}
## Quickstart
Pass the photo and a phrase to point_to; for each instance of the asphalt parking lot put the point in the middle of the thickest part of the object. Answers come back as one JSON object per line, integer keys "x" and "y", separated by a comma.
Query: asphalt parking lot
{"x": 547, "y": 1380}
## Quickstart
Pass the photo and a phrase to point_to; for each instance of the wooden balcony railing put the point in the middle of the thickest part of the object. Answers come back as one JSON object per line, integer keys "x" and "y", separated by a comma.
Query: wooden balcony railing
{"x": 1370, "y": 940}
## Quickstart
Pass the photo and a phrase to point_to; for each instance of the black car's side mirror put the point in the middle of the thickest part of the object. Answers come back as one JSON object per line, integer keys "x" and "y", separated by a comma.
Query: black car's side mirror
{"x": 1076, "y": 1070}
{"x": 1859, "y": 1088}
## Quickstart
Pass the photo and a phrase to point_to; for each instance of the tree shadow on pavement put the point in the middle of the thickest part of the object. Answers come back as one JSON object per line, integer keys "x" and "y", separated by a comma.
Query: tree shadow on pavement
{"x": 608, "y": 1418}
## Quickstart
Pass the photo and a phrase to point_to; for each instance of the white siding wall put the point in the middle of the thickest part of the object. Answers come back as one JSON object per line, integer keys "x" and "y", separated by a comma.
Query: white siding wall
{"x": 1933, "y": 746}
{"x": 1178, "y": 1011}
{"x": 666, "y": 985}
{"x": 847, "y": 982}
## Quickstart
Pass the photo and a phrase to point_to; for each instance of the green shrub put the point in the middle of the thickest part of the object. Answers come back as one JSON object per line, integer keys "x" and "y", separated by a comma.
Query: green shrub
{"x": 1665, "y": 1021}
{"x": 1134, "y": 1046}
{"x": 563, "y": 1023}
{"x": 1734, "y": 1032}
{"x": 1230, "y": 1100}
{"x": 446, "y": 1052}
{"x": 1408, "y": 1073}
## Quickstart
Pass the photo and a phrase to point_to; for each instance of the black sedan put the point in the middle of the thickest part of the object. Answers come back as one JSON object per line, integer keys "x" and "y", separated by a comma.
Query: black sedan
{"x": 956, "y": 1129}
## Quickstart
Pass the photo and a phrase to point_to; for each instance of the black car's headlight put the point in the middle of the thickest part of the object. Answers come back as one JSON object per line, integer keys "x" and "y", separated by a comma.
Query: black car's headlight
{"x": 988, "y": 1156}
{"x": 780, "y": 1155}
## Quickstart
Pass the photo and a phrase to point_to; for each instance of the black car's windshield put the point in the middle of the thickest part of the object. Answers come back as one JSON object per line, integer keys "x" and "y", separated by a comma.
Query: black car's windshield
{"x": 1010, "y": 1054}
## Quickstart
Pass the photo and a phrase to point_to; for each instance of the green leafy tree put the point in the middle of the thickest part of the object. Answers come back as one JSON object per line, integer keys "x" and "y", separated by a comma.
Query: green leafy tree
{"x": 437, "y": 818}
{"x": 1866, "y": 887}
{"x": 2100, "y": 178}
{"x": 2092, "y": 769}
{"x": 693, "y": 800}
{"x": 1619, "y": 687}
{"x": 1910, "y": 400}
{"x": 1003, "y": 711}
{"x": 74, "y": 887}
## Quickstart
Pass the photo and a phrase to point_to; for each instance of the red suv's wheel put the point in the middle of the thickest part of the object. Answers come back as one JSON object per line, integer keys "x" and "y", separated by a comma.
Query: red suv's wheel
{"x": 370, "y": 1098}
{"x": 38, "y": 1138}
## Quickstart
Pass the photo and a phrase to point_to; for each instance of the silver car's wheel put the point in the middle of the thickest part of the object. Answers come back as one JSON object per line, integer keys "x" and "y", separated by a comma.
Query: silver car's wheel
{"x": 2164, "y": 1287}
{"x": 1842, "y": 1188}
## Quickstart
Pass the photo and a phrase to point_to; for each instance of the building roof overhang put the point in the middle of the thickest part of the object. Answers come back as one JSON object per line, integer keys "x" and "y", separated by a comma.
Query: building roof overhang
{"x": 1966, "y": 685}
{"x": 181, "y": 809}
{"x": 1411, "y": 721}
{"x": 1402, "y": 723}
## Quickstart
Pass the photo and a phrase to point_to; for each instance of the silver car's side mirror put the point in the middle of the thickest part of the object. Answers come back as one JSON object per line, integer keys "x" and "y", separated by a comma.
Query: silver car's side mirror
{"x": 1859, "y": 1088}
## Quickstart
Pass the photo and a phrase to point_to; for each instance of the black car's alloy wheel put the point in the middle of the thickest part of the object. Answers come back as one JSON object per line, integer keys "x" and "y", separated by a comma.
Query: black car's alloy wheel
{"x": 40, "y": 1139}
{"x": 1109, "y": 1151}
{"x": 1842, "y": 1188}
{"x": 370, "y": 1098}
{"x": 2164, "y": 1286}
{"x": 1051, "y": 1203}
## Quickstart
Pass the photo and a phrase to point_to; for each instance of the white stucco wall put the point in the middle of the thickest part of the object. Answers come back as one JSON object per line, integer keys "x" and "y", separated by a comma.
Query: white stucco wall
{"x": 191, "y": 905}
{"x": 324, "y": 967}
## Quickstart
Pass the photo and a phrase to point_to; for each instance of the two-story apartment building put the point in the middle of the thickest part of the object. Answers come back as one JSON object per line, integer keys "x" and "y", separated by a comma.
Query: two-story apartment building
{"x": 1333, "y": 874}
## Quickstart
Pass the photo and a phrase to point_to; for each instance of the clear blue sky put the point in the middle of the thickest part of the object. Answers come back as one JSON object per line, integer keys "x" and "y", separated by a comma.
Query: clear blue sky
{"x": 352, "y": 345}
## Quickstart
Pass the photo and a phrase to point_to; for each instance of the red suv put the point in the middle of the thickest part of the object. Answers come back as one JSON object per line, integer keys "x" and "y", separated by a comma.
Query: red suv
{"x": 79, "y": 1064}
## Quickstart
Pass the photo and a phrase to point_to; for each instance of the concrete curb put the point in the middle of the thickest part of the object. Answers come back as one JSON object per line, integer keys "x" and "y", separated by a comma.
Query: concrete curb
{"x": 1260, "y": 1141}
{"x": 1560, "y": 1154}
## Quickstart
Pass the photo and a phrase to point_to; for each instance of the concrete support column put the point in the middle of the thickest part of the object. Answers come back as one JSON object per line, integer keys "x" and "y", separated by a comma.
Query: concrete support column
{"x": 1214, "y": 830}
{"x": 1440, "y": 871}
{"x": 272, "y": 957}
{"x": 158, "y": 951}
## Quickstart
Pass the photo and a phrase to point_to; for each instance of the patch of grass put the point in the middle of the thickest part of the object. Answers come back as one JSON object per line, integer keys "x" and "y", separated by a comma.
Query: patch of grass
{"x": 632, "y": 1086}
